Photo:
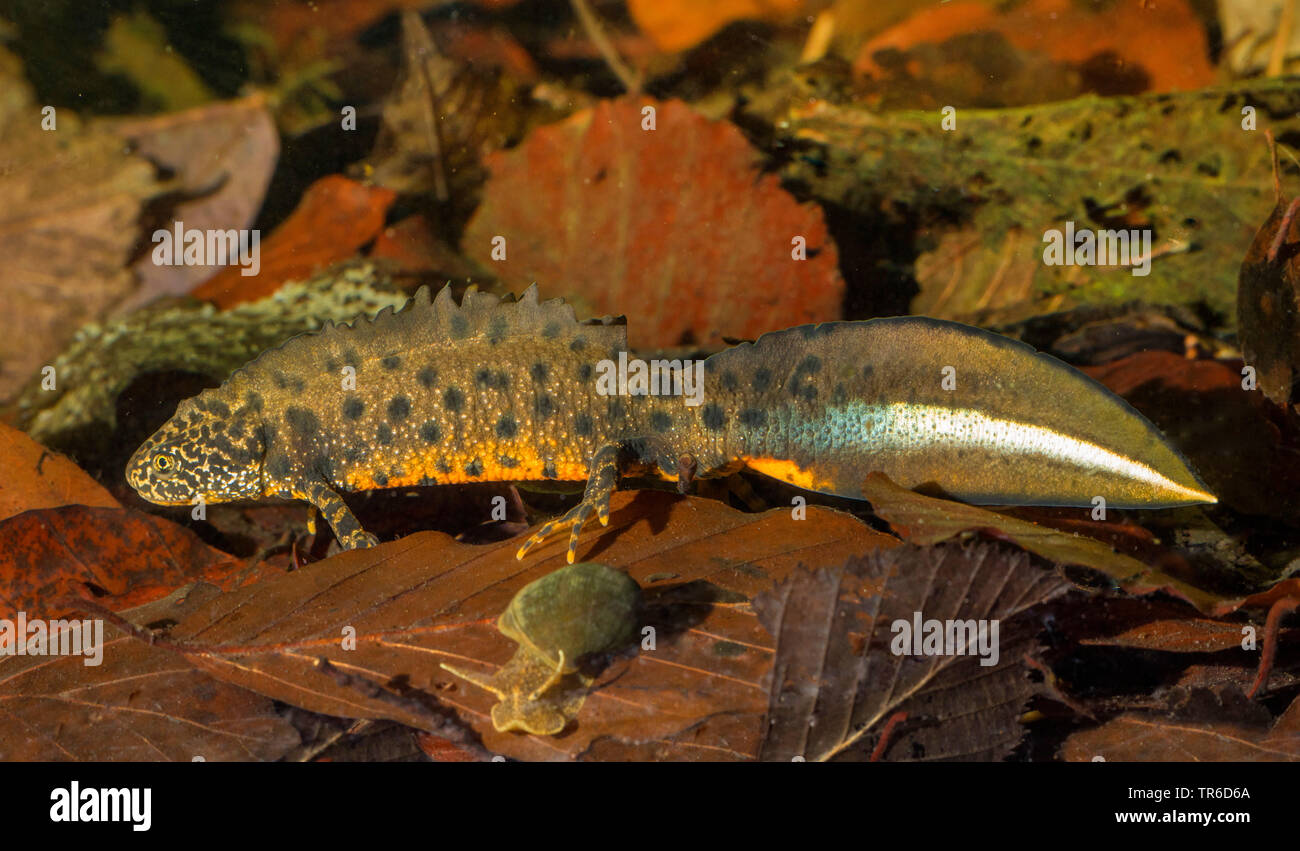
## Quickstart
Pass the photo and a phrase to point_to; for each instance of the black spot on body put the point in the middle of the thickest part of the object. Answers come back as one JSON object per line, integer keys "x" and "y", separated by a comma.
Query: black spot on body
{"x": 353, "y": 408}
{"x": 551, "y": 330}
{"x": 582, "y": 425}
{"x": 577, "y": 344}
{"x": 713, "y": 417}
{"x": 549, "y": 471}
{"x": 544, "y": 407}
{"x": 302, "y": 421}
{"x": 538, "y": 372}
{"x": 430, "y": 432}
{"x": 507, "y": 427}
{"x": 453, "y": 400}
{"x": 809, "y": 365}
{"x": 753, "y": 417}
{"x": 474, "y": 468}
{"x": 443, "y": 466}
{"x": 399, "y": 408}
{"x": 254, "y": 401}
{"x": 659, "y": 421}
{"x": 428, "y": 376}
{"x": 497, "y": 329}
{"x": 762, "y": 379}
{"x": 391, "y": 362}
{"x": 507, "y": 461}
{"x": 384, "y": 434}
{"x": 381, "y": 478}
{"x": 729, "y": 382}
{"x": 584, "y": 372}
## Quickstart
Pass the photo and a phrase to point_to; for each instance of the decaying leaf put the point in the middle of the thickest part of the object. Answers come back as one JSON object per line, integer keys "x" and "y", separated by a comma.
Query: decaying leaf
{"x": 1200, "y": 725}
{"x": 695, "y": 680}
{"x": 139, "y": 703}
{"x": 70, "y": 201}
{"x": 929, "y": 632}
{"x": 1178, "y": 164}
{"x": 1268, "y": 304}
{"x": 34, "y": 477}
{"x": 440, "y": 121}
{"x": 50, "y": 553}
{"x": 672, "y": 225}
{"x": 335, "y": 217}
{"x": 222, "y": 156}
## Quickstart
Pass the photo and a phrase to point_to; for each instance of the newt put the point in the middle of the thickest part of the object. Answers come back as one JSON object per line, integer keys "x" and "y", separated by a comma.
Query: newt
{"x": 496, "y": 389}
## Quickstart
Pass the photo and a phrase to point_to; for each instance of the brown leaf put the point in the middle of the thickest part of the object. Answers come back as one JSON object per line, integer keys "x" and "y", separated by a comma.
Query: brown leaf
{"x": 53, "y": 552}
{"x": 837, "y": 675}
{"x": 425, "y": 600}
{"x": 335, "y": 217}
{"x": 440, "y": 120}
{"x": 33, "y": 477}
{"x": 1201, "y": 726}
{"x": 1188, "y": 635}
{"x": 926, "y": 520}
{"x": 1268, "y": 312}
{"x": 222, "y": 156}
{"x": 140, "y": 703}
{"x": 675, "y": 226}
{"x": 70, "y": 200}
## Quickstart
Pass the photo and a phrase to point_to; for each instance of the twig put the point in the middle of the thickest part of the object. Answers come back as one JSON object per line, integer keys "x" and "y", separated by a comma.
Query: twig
{"x": 1272, "y": 626}
{"x": 443, "y": 724}
{"x": 596, "y": 33}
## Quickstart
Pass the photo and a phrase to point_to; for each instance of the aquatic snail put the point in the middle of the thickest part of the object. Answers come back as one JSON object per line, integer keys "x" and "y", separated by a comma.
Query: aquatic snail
{"x": 558, "y": 621}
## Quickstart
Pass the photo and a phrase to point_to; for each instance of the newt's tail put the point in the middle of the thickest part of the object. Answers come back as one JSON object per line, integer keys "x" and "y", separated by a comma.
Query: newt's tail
{"x": 983, "y": 418}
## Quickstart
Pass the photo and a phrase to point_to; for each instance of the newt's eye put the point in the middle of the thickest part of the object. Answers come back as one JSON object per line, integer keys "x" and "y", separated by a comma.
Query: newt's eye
{"x": 163, "y": 463}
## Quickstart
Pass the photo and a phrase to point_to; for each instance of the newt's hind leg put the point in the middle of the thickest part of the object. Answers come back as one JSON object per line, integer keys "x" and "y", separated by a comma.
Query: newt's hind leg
{"x": 595, "y": 499}
{"x": 346, "y": 526}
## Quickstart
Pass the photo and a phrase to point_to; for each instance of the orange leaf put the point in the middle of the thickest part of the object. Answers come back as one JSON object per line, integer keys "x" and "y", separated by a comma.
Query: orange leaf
{"x": 1165, "y": 39}
{"x": 674, "y": 226}
{"x": 679, "y": 24}
{"x": 32, "y": 476}
{"x": 335, "y": 217}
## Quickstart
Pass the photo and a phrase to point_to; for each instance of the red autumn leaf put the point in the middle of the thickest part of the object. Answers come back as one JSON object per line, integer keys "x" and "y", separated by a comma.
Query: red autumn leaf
{"x": 674, "y": 226}
{"x": 335, "y": 217}
{"x": 53, "y": 552}
{"x": 32, "y": 476}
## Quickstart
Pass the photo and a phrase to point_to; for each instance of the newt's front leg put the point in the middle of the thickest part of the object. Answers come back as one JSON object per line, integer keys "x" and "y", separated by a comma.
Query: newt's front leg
{"x": 600, "y": 486}
{"x": 346, "y": 526}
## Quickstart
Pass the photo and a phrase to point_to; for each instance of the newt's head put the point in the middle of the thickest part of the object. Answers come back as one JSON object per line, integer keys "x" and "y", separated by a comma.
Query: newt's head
{"x": 205, "y": 450}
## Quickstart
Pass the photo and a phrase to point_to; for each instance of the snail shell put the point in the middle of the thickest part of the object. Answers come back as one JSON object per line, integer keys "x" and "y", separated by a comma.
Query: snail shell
{"x": 577, "y": 610}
